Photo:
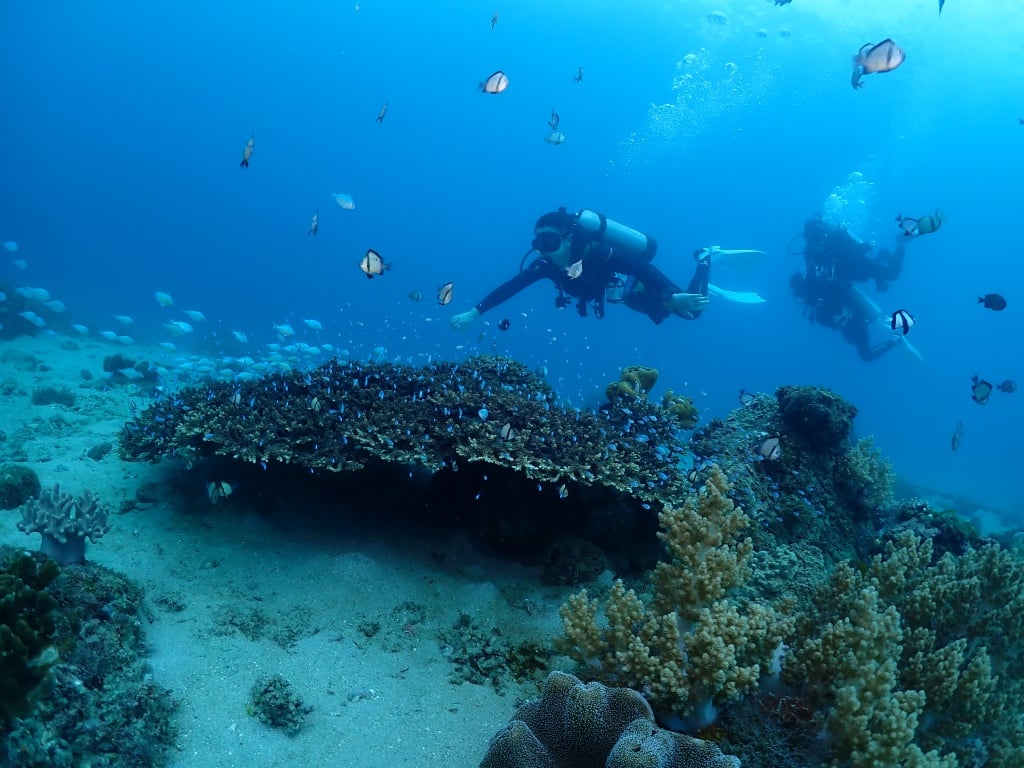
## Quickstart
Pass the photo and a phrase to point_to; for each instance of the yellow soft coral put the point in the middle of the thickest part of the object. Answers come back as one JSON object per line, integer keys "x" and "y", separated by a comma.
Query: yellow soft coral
{"x": 694, "y": 643}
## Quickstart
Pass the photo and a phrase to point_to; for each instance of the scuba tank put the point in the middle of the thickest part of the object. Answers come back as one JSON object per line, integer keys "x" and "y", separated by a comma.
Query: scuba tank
{"x": 600, "y": 228}
{"x": 596, "y": 227}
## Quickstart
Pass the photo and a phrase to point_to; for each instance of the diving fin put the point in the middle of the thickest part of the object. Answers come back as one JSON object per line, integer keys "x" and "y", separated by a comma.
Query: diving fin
{"x": 740, "y": 258}
{"x": 740, "y": 297}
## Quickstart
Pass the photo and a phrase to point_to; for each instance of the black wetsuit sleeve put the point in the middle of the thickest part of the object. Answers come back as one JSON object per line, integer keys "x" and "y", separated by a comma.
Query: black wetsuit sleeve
{"x": 508, "y": 289}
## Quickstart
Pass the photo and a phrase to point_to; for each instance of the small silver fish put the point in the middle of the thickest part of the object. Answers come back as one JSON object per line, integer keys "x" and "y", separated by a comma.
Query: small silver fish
{"x": 247, "y": 152}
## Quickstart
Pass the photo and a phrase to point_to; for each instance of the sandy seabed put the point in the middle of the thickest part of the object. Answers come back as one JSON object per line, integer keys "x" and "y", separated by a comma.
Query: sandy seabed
{"x": 235, "y": 595}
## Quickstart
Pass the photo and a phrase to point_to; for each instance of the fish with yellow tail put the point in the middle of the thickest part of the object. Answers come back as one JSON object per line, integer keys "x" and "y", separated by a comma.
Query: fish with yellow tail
{"x": 250, "y": 145}
{"x": 922, "y": 226}
{"x": 883, "y": 57}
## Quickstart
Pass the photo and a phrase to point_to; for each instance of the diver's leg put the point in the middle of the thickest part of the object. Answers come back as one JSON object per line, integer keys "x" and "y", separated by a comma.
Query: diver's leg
{"x": 701, "y": 277}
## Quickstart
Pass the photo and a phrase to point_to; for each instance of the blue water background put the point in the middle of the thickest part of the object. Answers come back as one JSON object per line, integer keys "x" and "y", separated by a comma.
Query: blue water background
{"x": 123, "y": 126}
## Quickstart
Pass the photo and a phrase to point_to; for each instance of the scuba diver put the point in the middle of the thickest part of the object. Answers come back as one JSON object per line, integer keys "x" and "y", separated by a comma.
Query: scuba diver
{"x": 594, "y": 260}
{"x": 834, "y": 260}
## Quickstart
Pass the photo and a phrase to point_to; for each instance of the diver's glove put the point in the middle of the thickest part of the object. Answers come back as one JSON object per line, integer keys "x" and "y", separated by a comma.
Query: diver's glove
{"x": 463, "y": 320}
{"x": 685, "y": 304}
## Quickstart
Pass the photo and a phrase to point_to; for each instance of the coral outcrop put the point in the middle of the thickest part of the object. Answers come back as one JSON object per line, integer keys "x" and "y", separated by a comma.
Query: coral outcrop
{"x": 65, "y": 523}
{"x": 694, "y": 643}
{"x": 574, "y": 725}
{"x": 27, "y": 612}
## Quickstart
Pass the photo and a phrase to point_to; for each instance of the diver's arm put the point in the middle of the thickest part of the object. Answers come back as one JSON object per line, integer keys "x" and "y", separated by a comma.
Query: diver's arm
{"x": 510, "y": 288}
{"x": 502, "y": 293}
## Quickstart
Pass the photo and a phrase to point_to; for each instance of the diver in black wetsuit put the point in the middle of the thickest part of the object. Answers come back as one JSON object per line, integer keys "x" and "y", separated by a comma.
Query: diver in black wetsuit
{"x": 833, "y": 261}
{"x": 594, "y": 260}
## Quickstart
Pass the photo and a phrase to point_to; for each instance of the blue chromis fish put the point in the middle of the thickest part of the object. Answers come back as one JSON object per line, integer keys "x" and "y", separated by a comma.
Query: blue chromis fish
{"x": 247, "y": 152}
{"x": 883, "y": 57}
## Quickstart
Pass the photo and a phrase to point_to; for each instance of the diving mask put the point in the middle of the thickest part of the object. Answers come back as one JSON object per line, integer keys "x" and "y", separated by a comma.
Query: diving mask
{"x": 547, "y": 242}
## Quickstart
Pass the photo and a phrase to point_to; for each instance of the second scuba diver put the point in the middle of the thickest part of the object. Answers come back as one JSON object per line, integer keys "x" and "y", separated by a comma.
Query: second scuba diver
{"x": 594, "y": 260}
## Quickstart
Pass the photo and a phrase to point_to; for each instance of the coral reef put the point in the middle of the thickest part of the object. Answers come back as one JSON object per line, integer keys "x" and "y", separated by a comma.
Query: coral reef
{"x": 101, "y": 706}
{"x": 274, "y": 702}
{"x": 695, "y": 644}
{"x": 65, "y": 522}
{"x": 574, "y": 725}
{"x": 26, "y": 630}
{"x": 18, "y": 484}
{"x": 918, "y": 661}
{"x": 340, "y": 416}
{"x": 635, "y": 381}
{"x": 817, "y": 417}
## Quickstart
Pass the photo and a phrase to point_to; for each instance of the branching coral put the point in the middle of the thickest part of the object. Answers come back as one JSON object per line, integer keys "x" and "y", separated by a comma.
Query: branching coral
{"x": 863, "y": 474}
{"x": 910, "y": 654}
{"x": 65, "y": 522}
{"x": 694, "y": 644}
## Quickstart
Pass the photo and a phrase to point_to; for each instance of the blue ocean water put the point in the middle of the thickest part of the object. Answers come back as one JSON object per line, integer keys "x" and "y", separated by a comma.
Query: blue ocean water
{"x": 699, "y": 123}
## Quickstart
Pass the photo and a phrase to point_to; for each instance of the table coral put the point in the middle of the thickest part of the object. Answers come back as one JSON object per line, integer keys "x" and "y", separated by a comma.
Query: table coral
{"x": 340, "y": 416}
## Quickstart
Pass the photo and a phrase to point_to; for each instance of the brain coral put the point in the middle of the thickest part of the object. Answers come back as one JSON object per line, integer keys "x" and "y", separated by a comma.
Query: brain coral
{"x": 574, "y": 725}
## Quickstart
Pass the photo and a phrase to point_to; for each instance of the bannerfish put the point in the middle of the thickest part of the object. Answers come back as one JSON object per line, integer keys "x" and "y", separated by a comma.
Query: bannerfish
{"x": 884, "y": 57}
{"x": 981, "y": 390}
{"x": 495, "y": 83}
{"x": 247, "y": 152}
{"x": 163, "y": 298}
{"x": 344, "y": 201}
{"x": 415, "y": 295}
{"x": 957, "y": 435}
{"x": 555, "y": 137}
{"x": 444, "y": 293}
{"x": 554, "y": 120}
{"x": 372, "y": 264}
{"x": 383, "y": 111}
{"x": 575, "y": 269}
{"x": 314, "y": 223}
{"x": 507, "y": 431}
{"x": 993, "y": 301}
{"x": 901, "y": 321}
{"x": 923, "y": 226}
{"x": 746, "y": 398}
{"x": 579, "y": 75}
{"x": 1009, "y": 386}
